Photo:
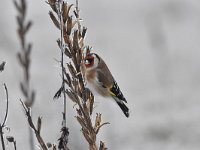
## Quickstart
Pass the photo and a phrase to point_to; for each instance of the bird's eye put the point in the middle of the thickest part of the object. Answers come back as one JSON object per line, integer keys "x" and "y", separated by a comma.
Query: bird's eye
{"x": 87, "y": 62}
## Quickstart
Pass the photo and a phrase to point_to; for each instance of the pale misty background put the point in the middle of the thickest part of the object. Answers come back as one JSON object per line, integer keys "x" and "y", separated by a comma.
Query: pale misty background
{"x": 151, "y": 47}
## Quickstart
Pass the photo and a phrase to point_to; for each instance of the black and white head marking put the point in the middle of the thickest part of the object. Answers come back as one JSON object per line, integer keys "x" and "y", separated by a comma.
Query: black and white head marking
{"x": 91, "y": 61}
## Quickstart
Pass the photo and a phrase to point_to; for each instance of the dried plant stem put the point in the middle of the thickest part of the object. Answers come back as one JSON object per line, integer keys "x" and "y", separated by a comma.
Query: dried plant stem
{"x": 93, "y": 146}
{"x": 63, "y": 140}
{"x": 24, "y": 58}
{"x": 31, "y": 124}
{"x": 6, "y": 115}
{"x": 78, "y": 16}
{"x": 5, "y": 118}
{"x": 59, "y": 3}
{"x": 72, "y": 45}
{"x": 2, "y": 139}
{"x": 15, "y": 145}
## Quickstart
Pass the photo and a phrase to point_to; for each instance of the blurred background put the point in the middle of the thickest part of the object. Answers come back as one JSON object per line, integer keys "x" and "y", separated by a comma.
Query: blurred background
{"x": 151, "y": 47}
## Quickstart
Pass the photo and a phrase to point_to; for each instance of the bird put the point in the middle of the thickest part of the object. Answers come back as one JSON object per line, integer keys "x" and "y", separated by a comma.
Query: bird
{"x": 98, "y": 75}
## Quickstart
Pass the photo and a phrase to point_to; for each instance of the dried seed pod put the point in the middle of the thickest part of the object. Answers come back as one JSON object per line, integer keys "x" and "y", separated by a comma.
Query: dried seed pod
{"x": 91, "y": 102}
{"x": 98, "y": 120}
{"x": 59, "y": 43}
{"x": 52, "y": 4}
{"x": 75, "y": 41}
{"x": 88, "y": 98}
{"x": 23, "y": 89}
{"x": 71, "y": 70}
{"x": 39, "y": 124}
{"x": 54, "y": 147}
{"x": 81, "y": 121}
{"x": 19, "y": 9}
{"x": 21, "y": 60}
{"x": 49, "y": 145}
{"x": 68, "y": 80}
{"x": 64, "y": 12}
{"x": 29, "y": 48}
{"x": 68, "y": 53}
{"x": 27, "y": 27}
{"x": 71, "y": 96}
{"x": 75, "y": 13}
{"x": 69, "y": 25}
{"x": 29, "y": 103}
{"x": 69, "y": 7}
{"x": 2, "y": 66}
{"x": 10, "y": 139}
{"x": 84, "y": 32}
{"x": 53, "y": 18}
{"x": 67, "y": 38}
{"x": 79, "y": 112}
{"x": 87, "y": 136}
{"x": 58, "y": 93}
{"x": 79, "y": 56}
{"x": 102, "y": 146}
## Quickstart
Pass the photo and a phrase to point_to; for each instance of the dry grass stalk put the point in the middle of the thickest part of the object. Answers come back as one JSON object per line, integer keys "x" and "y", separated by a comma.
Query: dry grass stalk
{"x": 58, "y": 7}
{"x": 12, "y": 140}
{"x": 24, "y": 58}
{"x": 72, "y": 47}
{"x": 2, "y": 125}
{"x": 24, "y": 54}
{"x": 31, "y": 124}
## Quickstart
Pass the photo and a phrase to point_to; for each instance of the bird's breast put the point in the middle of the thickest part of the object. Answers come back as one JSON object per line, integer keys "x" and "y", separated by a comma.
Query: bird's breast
{"x": 94, "y": 84}
{"x": 90, "y": 75}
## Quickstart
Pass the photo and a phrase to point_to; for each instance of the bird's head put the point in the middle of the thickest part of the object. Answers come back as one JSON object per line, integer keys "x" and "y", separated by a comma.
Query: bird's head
{"x": 91, "y": 61}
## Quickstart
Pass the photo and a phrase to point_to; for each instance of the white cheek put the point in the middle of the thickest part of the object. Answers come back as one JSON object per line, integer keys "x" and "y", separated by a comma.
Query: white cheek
{"x": 95, "y": 63}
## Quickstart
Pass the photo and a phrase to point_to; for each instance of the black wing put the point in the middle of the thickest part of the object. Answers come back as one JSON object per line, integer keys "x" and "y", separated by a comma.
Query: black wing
{"x": 116, "y": 92}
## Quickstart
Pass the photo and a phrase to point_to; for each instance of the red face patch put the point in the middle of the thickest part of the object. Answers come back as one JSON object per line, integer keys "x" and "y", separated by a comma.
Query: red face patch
{"x": 89, "y": 61}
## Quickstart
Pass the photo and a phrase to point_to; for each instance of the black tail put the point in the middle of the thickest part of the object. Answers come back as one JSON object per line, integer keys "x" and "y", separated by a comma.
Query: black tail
{"x": 124, "y": 108}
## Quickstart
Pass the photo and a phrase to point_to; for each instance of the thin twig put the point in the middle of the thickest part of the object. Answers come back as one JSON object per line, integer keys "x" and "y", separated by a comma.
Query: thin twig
{"x": 6, "y": 115}
{"x": 2, "y": 139}
{"x": 78, "y": 16}
{"x": 5, "y": 118}
{"x": 60, "y": 2}
{"x": 24, "y": 57}
{"x": 11, "y": 139}
{"x": 63, "y": 140}
{"x": 105, "y": 123}
{"x": 15, "y": 145}
{"x": 31, "y": 124}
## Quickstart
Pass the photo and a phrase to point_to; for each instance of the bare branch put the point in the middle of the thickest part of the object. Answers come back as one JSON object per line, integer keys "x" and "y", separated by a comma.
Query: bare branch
{"x": 24, "y": 57}
{"x": 6, "y": 115}
{"x": 2, "y": 139}
{"x": 62, "y": 9}
{"x": 5, "y": 118}
{"x": 31, "y": 124}
{"x": 12, "y": 140}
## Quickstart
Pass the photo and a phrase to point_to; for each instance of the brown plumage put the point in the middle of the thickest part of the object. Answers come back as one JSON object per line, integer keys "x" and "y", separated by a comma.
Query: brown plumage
{"x": 99, "y": 76}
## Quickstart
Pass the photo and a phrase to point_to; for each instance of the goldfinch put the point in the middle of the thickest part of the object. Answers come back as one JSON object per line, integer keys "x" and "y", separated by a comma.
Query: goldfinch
{"x": 99, "y": 76}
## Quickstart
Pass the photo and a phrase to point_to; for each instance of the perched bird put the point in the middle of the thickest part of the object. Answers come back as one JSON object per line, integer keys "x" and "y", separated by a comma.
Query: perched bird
{"x": 99, "y": 76}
